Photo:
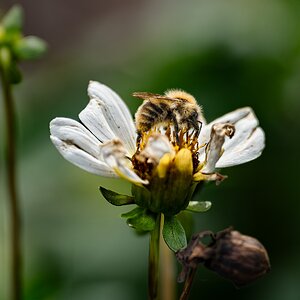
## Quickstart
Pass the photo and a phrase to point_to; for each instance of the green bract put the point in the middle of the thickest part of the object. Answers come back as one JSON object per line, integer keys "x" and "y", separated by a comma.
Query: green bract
{"x": 174, "y": 234}
{"x": 142, "y": 217}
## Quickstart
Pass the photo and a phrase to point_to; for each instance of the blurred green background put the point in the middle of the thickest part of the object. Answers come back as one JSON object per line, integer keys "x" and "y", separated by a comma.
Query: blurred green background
{"x": 228, "y": 54}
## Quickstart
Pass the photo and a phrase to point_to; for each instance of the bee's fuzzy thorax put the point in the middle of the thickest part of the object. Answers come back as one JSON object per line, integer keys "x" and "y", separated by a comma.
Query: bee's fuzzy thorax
{"x": 180, "y": 94}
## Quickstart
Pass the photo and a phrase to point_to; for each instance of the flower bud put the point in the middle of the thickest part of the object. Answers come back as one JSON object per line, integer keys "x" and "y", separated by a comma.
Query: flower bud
{"x": 169, "y": 189}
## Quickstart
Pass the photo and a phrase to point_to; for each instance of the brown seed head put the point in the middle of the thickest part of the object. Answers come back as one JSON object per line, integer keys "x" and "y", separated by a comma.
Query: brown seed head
{"x": 234, "y": 256}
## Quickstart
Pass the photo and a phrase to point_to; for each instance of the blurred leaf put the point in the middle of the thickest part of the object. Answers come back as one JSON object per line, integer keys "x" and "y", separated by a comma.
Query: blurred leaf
{"x": 174, "y": 234}
{"x": 2, "y": 33}
{"x": 13, "y": 19}
{"x": 5, "y": 57}
{"x": 115, "y": 198}
{"x": 196, "y": 206}
{"x": 30, "y": 47}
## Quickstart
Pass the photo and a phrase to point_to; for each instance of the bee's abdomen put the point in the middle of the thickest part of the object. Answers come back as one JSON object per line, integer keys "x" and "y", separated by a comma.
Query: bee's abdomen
{"x": 155, "y": 109}
{"x": 150, "y": 114}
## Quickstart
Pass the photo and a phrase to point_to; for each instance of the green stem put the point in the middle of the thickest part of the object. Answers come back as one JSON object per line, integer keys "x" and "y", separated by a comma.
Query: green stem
{"x": 188, "y": 284}
{"x": 153, "y": 271}
{"x": 16, "y": 292}
{"x": 167, "y": 272}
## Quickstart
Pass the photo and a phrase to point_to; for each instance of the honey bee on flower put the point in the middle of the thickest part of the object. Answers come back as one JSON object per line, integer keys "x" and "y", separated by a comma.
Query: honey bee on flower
{"x": 176, "y": 108}
{"x": 165, "y": 153}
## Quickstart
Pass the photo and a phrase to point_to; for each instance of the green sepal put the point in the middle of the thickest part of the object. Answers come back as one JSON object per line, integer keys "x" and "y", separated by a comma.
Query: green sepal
{"x": 115, "y": 198}
{"x": 29, "y": 48}
{"x": 132, "y": 213}
{"x": 140, "y": 219}
{"x": 13, "y": 19}
{"x": 199, "y": 206}
{"x": 174, "y": 234}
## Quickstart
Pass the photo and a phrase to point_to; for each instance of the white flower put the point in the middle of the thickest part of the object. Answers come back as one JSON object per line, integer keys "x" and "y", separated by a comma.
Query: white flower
{"x": 105, "y": 142}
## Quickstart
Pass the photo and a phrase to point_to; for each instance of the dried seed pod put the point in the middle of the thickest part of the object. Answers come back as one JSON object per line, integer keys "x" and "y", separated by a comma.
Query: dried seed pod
{"x": 239, "y": 258}
{"x": 194, "y": 254}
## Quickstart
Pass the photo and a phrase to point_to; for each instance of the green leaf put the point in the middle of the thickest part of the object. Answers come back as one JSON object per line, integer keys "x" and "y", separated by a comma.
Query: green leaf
{"x": 186, "y": 219}
{"x": 133, "y": 212}
{"x": 30, "y": 47}
{"x": 199, "y": 206}
{"x": 115, "y": 198}
{"x": 174, "y": 234}
{"x": 142, "y": 222}
{"x": 13, "y": 19}
{"x": 140, "y": 219}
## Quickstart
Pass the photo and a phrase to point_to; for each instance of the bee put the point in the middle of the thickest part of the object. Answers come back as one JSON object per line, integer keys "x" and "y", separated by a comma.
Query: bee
{"x": 175, "y": 107}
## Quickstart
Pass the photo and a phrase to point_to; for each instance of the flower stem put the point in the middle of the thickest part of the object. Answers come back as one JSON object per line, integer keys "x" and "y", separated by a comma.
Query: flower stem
{"x": 167, "y": 273}
{"x": 153, "y": 271}
{"x": 188, "y": 284}
{"x": 16, "y": 292}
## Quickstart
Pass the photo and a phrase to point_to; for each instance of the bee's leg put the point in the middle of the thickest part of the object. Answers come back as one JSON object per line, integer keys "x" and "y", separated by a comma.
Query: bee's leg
{"x": 197, "y": 125}
{"x": 138, "y": 139}
{"x": 176, "y": 128}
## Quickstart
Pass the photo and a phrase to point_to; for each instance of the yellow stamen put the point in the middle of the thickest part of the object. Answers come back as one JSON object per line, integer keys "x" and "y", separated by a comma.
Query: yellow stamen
{"x": 163, "y": 165}
{"x": 183, "y": 161}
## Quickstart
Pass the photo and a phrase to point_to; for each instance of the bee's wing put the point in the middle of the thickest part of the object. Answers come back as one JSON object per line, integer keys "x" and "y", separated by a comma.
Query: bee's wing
{"x": 151, "y": 96}
{"x": 145, "y": 95}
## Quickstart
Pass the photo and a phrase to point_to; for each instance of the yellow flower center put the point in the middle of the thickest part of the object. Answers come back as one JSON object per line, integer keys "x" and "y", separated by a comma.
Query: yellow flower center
{"x": 184, "y": 139}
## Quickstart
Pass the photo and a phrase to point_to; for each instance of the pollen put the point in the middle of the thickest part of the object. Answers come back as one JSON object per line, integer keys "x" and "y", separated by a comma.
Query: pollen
{"x": 184, "y": 139}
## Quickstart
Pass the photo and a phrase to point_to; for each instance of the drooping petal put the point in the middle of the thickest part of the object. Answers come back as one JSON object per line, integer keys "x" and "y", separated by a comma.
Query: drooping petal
{"x": 157, "y": 146}
{"x": 115, "y": 112}
{"x": 214, "y": 147}
{"x": 248, "y": 150}
{"x": 247, "y": 142}
{"x": 114, "y": 154}
{"x": 82, "y": 159}
{"x": 231, "y": 117}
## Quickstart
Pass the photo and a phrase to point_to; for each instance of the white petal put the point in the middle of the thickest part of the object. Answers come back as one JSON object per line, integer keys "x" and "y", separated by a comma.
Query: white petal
{"x": 92, "y": 117}
{"x": 72, "y": 132}
{"x": 233, "y": 117}
{"x": 157, "y": 146}
{"x": 116, "y": 113}
{"x": 81, "y": 158}
{"x": 114, "y": 155}
{"x": 214, "y": 147}
{"x": 249, "y": 148}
